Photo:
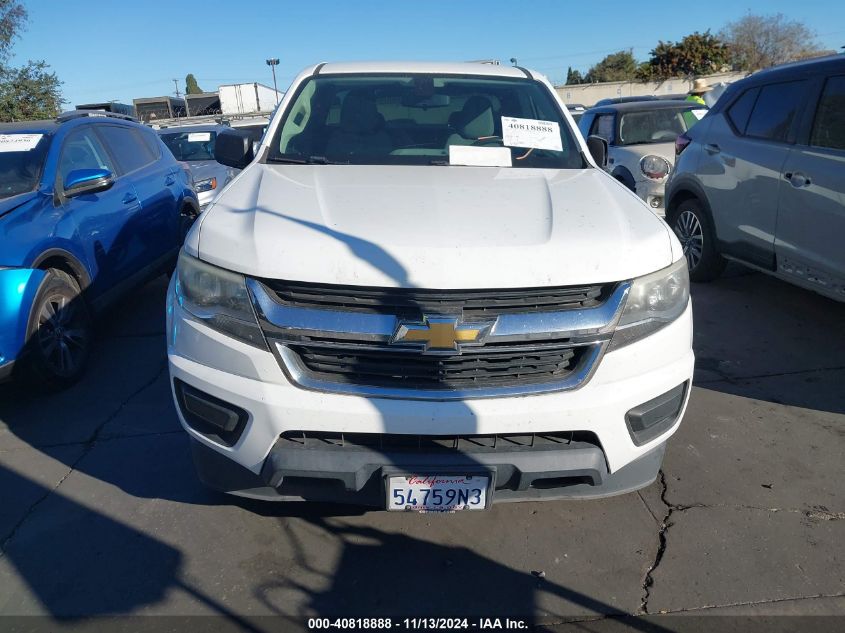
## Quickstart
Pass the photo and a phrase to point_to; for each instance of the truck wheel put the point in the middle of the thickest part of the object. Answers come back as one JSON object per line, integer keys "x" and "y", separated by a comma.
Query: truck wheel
{"x": 59, "y": 333}
{"x": 695, "y": 231}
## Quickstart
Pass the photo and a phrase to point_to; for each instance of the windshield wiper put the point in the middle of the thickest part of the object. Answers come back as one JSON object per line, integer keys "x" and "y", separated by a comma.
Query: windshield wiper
{"x": 311, "y": 160}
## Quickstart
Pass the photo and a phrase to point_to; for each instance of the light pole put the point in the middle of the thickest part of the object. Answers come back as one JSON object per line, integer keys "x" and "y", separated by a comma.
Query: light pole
{"x": 513, "y": 61}
{"x": 272, "y": 63}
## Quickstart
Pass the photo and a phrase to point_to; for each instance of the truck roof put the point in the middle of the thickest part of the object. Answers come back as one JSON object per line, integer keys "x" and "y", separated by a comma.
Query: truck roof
{"x": 441, "y": 68}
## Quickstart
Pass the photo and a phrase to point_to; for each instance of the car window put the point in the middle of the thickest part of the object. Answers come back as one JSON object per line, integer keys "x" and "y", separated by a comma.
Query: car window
{"x": 150, "y": 139}
{"x": 83, "y": 150}
{"x": 775, "y": 110}
{"x": 652, "y": 126}
{"x": 740, "y": 110}
{"x": 829, "y": 124}
{"x": 417, "y": 119}
{"x": 189, "y": 145}
{"x": 127, "y": 147}
{"x": 603, "y": 126}
{"x": 21, "y": 162}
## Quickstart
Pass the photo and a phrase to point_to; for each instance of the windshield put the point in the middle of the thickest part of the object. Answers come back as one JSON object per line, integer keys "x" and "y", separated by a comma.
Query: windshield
{"x": 187, "y": 146}
{"x": 422, "y": 119}
{"x": 21, "y": 161}
{"x": 656, "y": 126}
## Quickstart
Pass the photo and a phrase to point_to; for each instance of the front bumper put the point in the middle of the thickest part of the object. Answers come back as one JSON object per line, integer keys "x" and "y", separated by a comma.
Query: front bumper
{"x": 652, "y": 193}
{"x": 18, "y": 288}
{"x": 252, "y": 380}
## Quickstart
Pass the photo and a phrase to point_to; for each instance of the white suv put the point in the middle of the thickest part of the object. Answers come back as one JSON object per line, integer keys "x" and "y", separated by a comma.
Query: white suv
{"x": 423, "y": 293}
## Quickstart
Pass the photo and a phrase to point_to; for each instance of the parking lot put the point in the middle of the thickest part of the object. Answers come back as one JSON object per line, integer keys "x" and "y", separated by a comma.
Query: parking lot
{"x": 102, "y": 513}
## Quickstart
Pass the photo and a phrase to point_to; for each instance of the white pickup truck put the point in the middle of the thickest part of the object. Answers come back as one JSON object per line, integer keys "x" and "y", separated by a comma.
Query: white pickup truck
{"x": 423, "y": 293}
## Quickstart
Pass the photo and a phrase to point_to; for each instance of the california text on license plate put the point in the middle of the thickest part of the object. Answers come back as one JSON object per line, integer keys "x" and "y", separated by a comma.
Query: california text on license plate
{"x": 437, "y": 493}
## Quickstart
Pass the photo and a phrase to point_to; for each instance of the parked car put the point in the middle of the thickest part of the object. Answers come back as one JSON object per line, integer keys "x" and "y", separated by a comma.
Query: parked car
{"x": 91, "y": 205}
{"x": 193, "y": 145}
{"x": 641, "y": 141}
{"x": 576, "y": 110}
{"x": 760, "y": 179}
{"x": 425, "y": 294}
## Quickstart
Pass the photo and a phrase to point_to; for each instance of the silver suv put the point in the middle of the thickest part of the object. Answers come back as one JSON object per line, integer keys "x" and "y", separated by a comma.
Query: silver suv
{"x": 761, "y": 179}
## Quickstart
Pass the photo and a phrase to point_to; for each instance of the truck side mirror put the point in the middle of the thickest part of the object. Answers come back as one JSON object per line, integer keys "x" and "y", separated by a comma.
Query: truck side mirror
{"x": 598, "y": 149}
{"x": 233, "y": 148}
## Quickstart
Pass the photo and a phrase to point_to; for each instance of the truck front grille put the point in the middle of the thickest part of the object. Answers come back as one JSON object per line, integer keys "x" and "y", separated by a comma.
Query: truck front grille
{"x": 437, "y": 443}
{"x": 349, "y": 339}
{"x": 472, "y": 303}
{"x": 476, "y": 367}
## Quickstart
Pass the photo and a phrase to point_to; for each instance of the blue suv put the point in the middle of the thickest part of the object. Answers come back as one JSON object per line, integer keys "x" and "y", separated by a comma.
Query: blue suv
{"x": 91, "y": 205}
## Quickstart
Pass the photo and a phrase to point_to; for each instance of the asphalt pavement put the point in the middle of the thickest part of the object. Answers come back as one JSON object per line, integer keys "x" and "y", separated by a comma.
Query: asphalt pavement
{"x": 102, "y": 514}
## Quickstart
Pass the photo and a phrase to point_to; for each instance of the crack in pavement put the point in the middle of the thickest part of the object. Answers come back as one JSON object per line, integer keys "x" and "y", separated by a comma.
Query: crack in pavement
{"x": 814, "y": 513}
{"x": 664, "y": 526}
{"x": 99, "y": 440}
{"x": 752, "y": 603}
{"x": 89, "y": 444}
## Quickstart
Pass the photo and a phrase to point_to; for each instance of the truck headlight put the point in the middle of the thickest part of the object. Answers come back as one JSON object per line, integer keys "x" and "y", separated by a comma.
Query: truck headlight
{"x": 653, "y": 302}
{"x": 218, "y": 298}
{"x": 654, "y": 167}
{"x": 209, "y": 184}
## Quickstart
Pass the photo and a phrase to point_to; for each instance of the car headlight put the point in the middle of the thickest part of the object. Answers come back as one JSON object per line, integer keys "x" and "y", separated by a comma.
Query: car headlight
{"x": 653, "y": 302}
{"x": 654, "y": 167}
{"x": 209, "y": 184}
{"x": 218, "y": 298}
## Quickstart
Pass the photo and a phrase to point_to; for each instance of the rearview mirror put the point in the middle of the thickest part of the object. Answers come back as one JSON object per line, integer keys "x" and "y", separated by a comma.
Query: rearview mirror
{"x": 233, "y": 148}
{"x": 598, "y": 149}
{"x": 81, "y": 181}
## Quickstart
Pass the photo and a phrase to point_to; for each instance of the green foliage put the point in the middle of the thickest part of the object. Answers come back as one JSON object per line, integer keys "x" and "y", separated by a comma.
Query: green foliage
{"x": 760, "y": 41}
{"x": 12, "y": 18}
{"x": 620, "y": 66}
{"x": 30, "y": 91}
{"x": 191, "y": 86}
{"x": 573, "y": 77}
{"x": 696, "y": 54}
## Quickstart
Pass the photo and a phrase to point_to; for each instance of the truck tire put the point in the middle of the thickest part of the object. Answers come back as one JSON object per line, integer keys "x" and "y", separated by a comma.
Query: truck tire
{"x": 694, "y": 229}
{"x": 59, "y": 333}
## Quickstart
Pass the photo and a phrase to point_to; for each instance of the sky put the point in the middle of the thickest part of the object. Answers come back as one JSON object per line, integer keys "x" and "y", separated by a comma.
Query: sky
{"x": 115, "y": 50}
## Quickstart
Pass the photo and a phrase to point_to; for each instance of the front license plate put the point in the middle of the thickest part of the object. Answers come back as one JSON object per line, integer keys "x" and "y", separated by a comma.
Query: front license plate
{"x": 437, "y": 493}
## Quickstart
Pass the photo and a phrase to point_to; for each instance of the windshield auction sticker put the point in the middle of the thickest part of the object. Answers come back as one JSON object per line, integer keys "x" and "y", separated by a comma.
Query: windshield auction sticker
{"x": 199, "y": 137}
{"x": 18, "y": 142}
{"x": 531, "y": 133}
{"x": 699, "y": 113}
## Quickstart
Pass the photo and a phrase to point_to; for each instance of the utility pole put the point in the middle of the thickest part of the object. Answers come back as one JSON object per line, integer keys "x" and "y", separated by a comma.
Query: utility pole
{"x": 272, "y": 63}
{"x": 176, "y": 83}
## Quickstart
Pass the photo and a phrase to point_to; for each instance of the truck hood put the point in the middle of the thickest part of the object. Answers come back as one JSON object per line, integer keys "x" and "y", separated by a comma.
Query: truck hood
{"x": 431, "y": 227}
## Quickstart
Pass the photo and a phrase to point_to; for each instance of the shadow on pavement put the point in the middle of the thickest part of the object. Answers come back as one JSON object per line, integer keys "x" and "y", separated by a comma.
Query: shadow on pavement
{"x": 761, "y": 338}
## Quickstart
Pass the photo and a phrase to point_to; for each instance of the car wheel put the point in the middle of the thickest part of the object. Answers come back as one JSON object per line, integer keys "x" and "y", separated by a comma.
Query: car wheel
{"x": 695, "y": 232}
{"x": 59, "y": 333}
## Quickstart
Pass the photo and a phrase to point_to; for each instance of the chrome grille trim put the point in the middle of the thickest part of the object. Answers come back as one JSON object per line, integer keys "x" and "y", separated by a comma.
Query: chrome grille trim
{"x": 363, "y": 326}
{"x": 587, "y": 328}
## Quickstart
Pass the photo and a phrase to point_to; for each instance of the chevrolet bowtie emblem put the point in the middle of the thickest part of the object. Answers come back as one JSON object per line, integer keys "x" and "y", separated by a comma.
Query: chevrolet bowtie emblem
{"x": 440, "y": 334}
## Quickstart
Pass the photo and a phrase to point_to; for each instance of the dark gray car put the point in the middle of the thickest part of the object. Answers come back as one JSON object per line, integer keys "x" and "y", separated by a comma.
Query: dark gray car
{"x": 194, "y": 146}
{"x": 761, "y": 179}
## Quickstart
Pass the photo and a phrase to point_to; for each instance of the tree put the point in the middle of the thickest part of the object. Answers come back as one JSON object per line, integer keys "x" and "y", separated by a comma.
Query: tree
{"x": 12, "y": 18}
{"x": 191, "y": 86}
{"x": 573, "y": 77}
{"x": 619, "y": 66}
{"x": 696, "y": 54}
{"x": 31, "y": 91}
{"x": 760, "y": 41}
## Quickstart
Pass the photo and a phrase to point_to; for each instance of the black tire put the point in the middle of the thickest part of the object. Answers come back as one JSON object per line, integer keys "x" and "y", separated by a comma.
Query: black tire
{"x": 59, "y": 333}
{"x": 694, "y": 229}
